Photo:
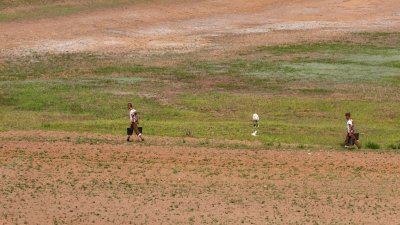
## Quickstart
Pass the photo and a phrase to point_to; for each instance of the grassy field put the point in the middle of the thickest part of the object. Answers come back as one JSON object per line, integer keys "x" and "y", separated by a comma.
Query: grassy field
{"x": 14, "y": 10}
{"x": 301, "y": 93}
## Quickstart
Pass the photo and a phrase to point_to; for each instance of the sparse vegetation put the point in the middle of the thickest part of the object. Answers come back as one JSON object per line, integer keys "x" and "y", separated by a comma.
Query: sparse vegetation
{"x": 16, "y": 10}
{"x": 372, "y": 145}
{"x": 188, "y": 182}
{"x": 88, "y": 93}
{"x": 394, "y": 146}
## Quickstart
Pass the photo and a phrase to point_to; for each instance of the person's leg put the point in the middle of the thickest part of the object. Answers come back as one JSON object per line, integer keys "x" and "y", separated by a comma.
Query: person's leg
{"x": 129, "y": 136}
{"x": 136, "y": 129}
{"x": 346, "y": 142}
{"x": 355, "y": 141}
{"x": 255, "y": 123}
{"x": 140, "y": 137}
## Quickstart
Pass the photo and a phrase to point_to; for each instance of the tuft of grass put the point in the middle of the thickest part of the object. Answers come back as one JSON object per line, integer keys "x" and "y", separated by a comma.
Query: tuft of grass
{"x": 394, "y": 146}
{"x": 320, "y": 91}
{"x": 301, "y": 146}
{"x": 372, "y": 145}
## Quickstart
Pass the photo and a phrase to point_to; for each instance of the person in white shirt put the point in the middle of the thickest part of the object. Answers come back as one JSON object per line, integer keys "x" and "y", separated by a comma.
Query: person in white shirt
{"x": 134, "y": 122}
{"x": 351, "y": 132}
{"x": 256, "y": 120}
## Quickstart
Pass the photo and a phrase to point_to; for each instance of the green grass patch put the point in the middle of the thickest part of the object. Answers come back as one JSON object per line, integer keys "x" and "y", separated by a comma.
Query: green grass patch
{"x": 301, "y": 100}
{"x": 35, "y": 9}
{"x": 175, "y": 73}
{"x": 372, "y": 145}
{"x": 322, "y": 48}
{"x": 394, "y": 146}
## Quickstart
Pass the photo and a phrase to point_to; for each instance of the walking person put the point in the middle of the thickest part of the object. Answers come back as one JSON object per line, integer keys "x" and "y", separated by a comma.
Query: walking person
{"x": 351, "y": 135}
{"x": 134, "y": 123}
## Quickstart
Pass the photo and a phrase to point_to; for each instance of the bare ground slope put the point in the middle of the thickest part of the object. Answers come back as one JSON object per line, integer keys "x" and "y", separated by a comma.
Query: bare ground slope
{"x": 69, "y": 178}
{"x": 192, "y": 25}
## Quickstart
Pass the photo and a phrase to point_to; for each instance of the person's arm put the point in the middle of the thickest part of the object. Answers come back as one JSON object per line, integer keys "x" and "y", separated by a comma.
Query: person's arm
{"x": 351, "y": 128}
{"x": 136, "y": 118}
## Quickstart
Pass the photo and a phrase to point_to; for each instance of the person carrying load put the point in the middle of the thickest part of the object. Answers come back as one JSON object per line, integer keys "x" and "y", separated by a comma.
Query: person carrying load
{"x": 134, "y": 123}
{"x": 351, "y": 136}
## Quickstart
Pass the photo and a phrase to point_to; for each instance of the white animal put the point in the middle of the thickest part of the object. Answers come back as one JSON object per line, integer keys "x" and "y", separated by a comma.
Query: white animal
{"x": 256, "y": 117}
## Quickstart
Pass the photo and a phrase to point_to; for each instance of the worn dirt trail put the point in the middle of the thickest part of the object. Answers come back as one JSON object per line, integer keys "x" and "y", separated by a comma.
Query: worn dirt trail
{"x": 59, "y": 177}
{"x": 186, "y": 26}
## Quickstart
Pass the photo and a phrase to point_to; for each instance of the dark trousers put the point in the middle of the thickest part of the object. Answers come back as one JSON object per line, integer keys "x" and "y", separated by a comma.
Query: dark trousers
{"x": 351, "y": 138}
{"x": 135, "y": 128}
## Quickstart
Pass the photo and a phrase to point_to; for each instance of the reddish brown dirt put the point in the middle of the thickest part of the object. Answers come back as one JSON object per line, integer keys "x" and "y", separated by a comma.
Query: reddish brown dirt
{"x": 49, "y": 177}
{"x": 186, "y": 26}
{"x": 89, "y": 179}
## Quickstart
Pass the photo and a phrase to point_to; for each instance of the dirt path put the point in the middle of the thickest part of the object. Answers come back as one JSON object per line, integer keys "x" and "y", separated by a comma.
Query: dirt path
{"x": 186, "y": 26}
{"x": 60, "y": 180}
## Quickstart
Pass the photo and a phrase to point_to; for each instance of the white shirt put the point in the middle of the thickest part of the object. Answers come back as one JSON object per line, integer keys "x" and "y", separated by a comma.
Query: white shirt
{"x": 256, "y": 117}
{"x": 349, "y": 124}
{"x": 132, "y": 115}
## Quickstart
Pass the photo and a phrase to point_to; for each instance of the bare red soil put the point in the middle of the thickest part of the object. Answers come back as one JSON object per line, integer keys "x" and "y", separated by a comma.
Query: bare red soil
{"x": 64, "y": 178}
{"x": 186, "y": 26}
{"x": 58, "y": 178}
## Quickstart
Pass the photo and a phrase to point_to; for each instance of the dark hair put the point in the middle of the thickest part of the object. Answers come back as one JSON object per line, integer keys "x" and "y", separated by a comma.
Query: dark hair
{"x": 347, "y": 114}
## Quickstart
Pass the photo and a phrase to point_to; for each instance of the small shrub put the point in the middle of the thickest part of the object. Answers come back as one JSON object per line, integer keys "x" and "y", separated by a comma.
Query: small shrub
{"x": 372, "y": 145}
{"x": 268, "y": 144}
{"x": 394, "y": 146}
{"x": 203, "y": 143}
{"x": 188, "y": 133}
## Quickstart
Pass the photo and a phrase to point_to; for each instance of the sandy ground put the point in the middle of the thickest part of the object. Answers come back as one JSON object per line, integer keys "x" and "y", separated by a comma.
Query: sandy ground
{"x": 186, "y": 26}
{"x": 65, "y": 178}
